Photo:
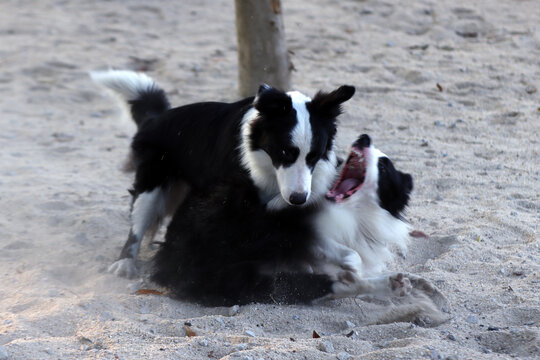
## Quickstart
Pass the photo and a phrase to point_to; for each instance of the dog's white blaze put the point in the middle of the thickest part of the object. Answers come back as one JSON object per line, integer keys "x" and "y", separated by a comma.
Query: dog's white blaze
{"x": 296, "y": 178}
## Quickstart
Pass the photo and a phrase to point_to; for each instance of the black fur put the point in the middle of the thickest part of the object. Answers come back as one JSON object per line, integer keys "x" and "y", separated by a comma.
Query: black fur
{"x": 225, "y": 248}
{"x": 394, "y": 187}
{"x": 182, "y": 144}
{"x": 149, "y": 105}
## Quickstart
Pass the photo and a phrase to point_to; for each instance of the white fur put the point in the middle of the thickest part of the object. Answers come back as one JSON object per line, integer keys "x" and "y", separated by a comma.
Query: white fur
{"x": 124, "y": 267}
{"x": 296, "y": 178}
{"x": 128, "y": 84}
{"x": 147, "y": 209}
{"x": 359, "y": 223}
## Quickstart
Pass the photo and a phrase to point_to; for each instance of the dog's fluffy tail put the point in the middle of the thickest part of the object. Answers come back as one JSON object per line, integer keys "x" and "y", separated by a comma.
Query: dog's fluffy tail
{"x": 144, "y": 98}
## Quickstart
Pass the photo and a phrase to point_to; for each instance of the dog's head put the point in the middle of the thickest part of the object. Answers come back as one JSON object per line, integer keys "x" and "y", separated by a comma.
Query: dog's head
{"x": 370, "y": 174}
{"x": 288, "y": 143}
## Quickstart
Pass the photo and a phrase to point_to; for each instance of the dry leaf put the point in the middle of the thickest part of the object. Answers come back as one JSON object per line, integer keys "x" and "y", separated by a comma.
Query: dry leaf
{"x": 315, "y": 335}
{"x": 148, "y": 292}
{"x": 276, "y": 6}
{"x": 418, "y": 234}
{"x": 189, "y": 331}
{"x": 439, "y": 87}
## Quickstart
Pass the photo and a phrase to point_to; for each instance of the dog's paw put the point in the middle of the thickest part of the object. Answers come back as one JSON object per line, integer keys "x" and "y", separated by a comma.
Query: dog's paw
{"x": 352, "y": 262}
{"x": 124, "y": 268}
{"x": 400, "y": 284}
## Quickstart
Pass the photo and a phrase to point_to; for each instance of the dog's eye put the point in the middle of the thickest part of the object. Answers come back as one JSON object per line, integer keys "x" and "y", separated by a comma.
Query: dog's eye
{"x": 384, "y": 162}
{"x": 289, "y": 155}
{"x": 312, "y": 158}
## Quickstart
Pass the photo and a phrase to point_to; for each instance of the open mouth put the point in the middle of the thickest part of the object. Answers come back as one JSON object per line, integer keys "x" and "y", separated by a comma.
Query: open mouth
{"x": 352, "y": 176}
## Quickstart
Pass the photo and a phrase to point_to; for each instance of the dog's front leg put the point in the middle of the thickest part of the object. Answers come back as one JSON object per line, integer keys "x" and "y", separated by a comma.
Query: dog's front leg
{"x": 339, "y": 255}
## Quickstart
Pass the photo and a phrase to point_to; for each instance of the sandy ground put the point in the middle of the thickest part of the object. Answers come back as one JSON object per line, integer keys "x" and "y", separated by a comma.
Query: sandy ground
{"x": 472, "y": 144}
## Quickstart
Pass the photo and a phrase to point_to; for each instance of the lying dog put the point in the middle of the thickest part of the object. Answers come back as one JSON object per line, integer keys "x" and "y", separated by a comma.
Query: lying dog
{"x": 281, "y": 142}
{"x": 226, "y": 247}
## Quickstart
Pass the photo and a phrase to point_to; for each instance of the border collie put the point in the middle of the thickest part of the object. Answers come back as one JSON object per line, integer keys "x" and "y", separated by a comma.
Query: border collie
{"x": 225, "y": 247}
{"x": 282, "y": 142}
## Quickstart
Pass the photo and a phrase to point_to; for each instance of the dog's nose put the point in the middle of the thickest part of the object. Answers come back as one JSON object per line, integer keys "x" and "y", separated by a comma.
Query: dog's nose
{"x": 363, "y": 141}
{"x": 298, "y": 198}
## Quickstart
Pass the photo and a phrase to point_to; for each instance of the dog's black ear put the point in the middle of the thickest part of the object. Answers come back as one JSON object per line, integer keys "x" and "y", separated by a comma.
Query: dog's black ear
{"x": 262, "y": 88}
{"x": 329, "y": 104}
{"x": 408, "y": 182}
{"x": 272, "y": 101}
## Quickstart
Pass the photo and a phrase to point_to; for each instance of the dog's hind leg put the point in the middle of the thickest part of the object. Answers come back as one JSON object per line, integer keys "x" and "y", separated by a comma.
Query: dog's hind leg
{"x": 350, "y": 285}
{"x": 147, "y": 211}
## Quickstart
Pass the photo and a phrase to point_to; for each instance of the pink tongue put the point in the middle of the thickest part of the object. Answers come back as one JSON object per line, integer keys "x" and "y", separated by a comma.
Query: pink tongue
{"x": 347, "y": 185}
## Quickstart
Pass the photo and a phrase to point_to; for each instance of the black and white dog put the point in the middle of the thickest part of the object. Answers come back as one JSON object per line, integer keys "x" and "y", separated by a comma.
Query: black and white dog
{"x": 226, "y": 247}
{"x": 282, "y": 142}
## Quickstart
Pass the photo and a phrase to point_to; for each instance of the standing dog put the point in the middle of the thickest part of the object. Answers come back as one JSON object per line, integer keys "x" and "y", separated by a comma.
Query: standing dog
{"x": 226, "y": 247}
{"x": 282, "y": 142}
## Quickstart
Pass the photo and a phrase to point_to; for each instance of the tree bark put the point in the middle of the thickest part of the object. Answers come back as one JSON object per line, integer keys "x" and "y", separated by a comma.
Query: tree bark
{"x": 262, "y": 51}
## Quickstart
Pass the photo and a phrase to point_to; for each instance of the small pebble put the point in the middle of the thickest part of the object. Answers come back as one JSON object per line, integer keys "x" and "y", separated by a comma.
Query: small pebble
{"x": 233, "y": 310}
{"x": 344, "y": 356}
{"x": 240, "y": 347}
{"x": 241, "y": 357}
{"x": 434, "y": 355}
{"x": 203, "y": 342}
{"x": 451, "y": 337}
{"x": 3, "y": 353}
{"x": 438, "y": 123}
{"x": 424, "y": 143}
{"x": 366, "y": 11}
{"x": 472, "y": 319}
{"x": 513, "y": 213}
{"x": 250, "y": 333}
{"x": 350, "y": 325}
{"x": 530, "y": 89}
{"x": 326, "y": 346}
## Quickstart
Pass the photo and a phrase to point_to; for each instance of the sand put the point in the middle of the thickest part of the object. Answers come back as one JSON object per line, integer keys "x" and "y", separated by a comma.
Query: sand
{"x": 448, "y": 89}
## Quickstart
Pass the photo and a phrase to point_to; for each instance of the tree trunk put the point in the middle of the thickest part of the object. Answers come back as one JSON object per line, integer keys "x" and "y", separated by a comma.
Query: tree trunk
{"x": 262, "y": 51}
